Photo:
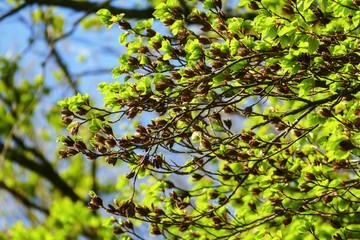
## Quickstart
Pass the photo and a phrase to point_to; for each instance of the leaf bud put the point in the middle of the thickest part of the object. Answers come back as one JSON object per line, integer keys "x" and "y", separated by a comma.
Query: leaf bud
{"x": 91, "y": 155}
{"x": 217, "y": 3}
{"x": 337, "y": 236}
{"x": 72, "y": 152}
{"x": 97, "y": 201}
{"x": 189, "y": 73}
{"x": 254, "y": 144}
{"x": 253, "y": 5}
{"x": 287, "y": 221}
{"x": 204, "y": 40}
{"x": 346, "y": 145}
{"x": 150, "y": 32}
{"x": 305, "y": 188}
{"x": 110, "y": 143}
{"x": 111, "y": 159}
{"x": 81, "y": 111}
{"x": 326, "y": 199}
{"x": 66, "y": 112}
{"x": 68, "y": 142}
{"x": 252, "y": 206}
{"x": 175, "y": 75}
{"x": 197, "y": 176}
{"x": 130, "y": 175}
{"x": 194, "y": 18}
{"x": 74, "y": 130}
{"x": 169, "y": 21}
{"x": 132, "y": 61}
{"x": 80, "y": 145}
{"x": 206, "y": 144}
{"x": 117, "y": 230}
{"x": 325, "y": 113}
{"x": 128, "y": 224}
{"x": 93, "y": 207}
{"x": 161, "y": 86}
{"x": 335, "y": 224}
{"x": 214, "y": 194}
{"x": 107, "y": 129}
{"x": 156, "y": 45}
{"x": 67, "y": 120}
{"x": 309, "y": 177}
{"x": 288, "y": 9}
{"x": 124, "y": 25}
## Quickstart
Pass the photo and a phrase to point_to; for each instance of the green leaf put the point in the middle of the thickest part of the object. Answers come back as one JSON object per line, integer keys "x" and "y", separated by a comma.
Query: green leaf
{"x": 123, "y": 38}
{"x": 324, "y": 5}
{"x": 176, "y": 26}
{"x": 108, "y": 222}
{"x": 287, "y": 30}
{"x": 307, "y": 3}
{"x": 335, "y": 183}
{"x": 92, "y": 193}
{"x": 103, "y": 12}
{"x": 313, "y": 44}
{"x": 305, "y": 86}
{"x": 208, "y": 4}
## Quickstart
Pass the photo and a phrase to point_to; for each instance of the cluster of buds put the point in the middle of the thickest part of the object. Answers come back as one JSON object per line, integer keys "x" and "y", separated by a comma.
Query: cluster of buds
{"x": 95, "y": 203}
{"x": 67, "y": 116}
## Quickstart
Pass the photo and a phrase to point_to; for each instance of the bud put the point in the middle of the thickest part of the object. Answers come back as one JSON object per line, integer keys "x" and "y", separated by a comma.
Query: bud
{"x": 286, "y": 221}
{"x": 68, "y": 142}
{"x": 66, "y": 112}
{"x": 337, "y": 236}
{"x": 111, "y": 159}
{"x": 132, "y": 61}
{"x": 80, "y": 145}
{"x": 247, "y": 111}
{"x": 206, "y": 144}
{"x": 175, "y": 75}
{"x": 288, "y": 9}
{"x": 309, "y": 177}
{"x": 74, "y": 130}
{"x": 91, "y": 155}
{"x": 81, "y": 111}
{"x": 156, "y": 45}
{"x": 92, "y": 207}
{"x": 110, "y": 143}
{"x": 150, "y": 32}
{"x": 326, "y": 199}
{"x": 97, "y": 201}
{"x": 67, "y": 120}
{"x": 107, "y": 129}
{"x": 117, "y": 230}
{"x": 217, "y": 3}
{"x": 130, "y": 175}
{"x": 346, "y": 145}
{"x": 128, "y": 224}
{"x": 335, "y": 224}
{"x": 204, "y": 40}
{"x": 214, "y": 194}
{"x": 253, "y": 5}
{"x": 325, "y": 113}
{"x": 252, "y": 206}
{"x": 72, "y": 152}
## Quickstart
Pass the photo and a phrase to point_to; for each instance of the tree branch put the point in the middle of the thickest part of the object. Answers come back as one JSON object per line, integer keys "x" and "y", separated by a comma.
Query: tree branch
{"x": 23, "y": 199}
{"x": 94, "y": 7}
{"x": 45, "y": 170}
{"x": 13, "y": 11}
